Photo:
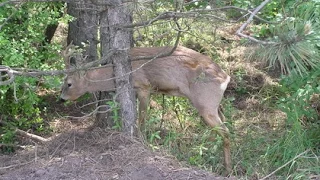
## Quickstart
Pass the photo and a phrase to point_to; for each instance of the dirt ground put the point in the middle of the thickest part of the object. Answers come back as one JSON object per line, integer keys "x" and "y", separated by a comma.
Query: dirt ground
{"x": 95, "y": 154}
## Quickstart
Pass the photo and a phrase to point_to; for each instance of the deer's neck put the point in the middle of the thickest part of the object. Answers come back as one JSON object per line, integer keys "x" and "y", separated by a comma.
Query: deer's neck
{"x": 100, "y": 79}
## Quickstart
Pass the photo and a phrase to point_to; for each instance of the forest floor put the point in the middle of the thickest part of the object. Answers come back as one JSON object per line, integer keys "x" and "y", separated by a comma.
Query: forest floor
{"x": 95, "y": 154}
{"x": 77, "y": 150}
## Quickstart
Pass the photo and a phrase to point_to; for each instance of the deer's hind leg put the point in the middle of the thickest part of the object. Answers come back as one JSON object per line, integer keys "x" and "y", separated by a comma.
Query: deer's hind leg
{"x": 208, "y": 107}
{"x": 143, "y": 97}
{"x": 214, "y": 121}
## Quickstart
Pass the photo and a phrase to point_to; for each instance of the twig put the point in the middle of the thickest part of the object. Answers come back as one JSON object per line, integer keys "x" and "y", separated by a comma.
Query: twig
{"x": 15, "y": 165}
{"x": 167, "y": 52}
{"x": 250, "y": 19}
{"x": 26, "y": 72}
{"x": 10, "y": 75}
{"x": 198, "y": 13}
{"x": 285, "y": 164}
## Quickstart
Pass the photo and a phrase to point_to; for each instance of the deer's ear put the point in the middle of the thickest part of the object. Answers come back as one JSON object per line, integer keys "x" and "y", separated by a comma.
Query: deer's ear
{"x": 67, "y": 54}
{"x": 82, "y": 73}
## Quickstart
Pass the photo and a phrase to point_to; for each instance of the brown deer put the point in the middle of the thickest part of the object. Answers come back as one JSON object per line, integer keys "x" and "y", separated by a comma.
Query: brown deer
{"x": 185, "y": 73}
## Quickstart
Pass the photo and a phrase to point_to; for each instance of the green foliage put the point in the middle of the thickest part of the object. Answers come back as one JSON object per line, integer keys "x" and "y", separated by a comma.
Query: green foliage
{"x": 303, "y": 125}
{"x": 296, "y": 49}
{"x": 241, "y": 89}
{"x": 295, "y": 37}
{"x": 258, "y": 149}
{"x": 7, "y": 137}
{"x": 22, "y": 45}
{"x": 301, "y": 100}
{"x": 277, "y": 10}
{"x": 115, "y": 115}
{"x": 300, "y": 91}
{"x": 269, "y": 12}
{"x": 19, "y": 109}
{"x": 175, "y": 125}
{"x": 296, "y": 34}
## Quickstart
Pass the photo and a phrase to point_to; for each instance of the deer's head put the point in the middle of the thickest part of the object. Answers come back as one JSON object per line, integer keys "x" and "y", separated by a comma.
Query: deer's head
{"x": 73, "y": 87}
{"x": 75, "y": 83}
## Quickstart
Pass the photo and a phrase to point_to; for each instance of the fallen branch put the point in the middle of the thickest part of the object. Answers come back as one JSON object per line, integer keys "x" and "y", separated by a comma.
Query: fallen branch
{"x": 15, "y": 165}
{"x": 31, "y": 136}
{"x": 26, "y": 134}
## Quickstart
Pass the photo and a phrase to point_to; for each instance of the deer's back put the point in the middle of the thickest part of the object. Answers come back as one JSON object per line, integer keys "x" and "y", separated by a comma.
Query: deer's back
{"x": 177, "y": 72}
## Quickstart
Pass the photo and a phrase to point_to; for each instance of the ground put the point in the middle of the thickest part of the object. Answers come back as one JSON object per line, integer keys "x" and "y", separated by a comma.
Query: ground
{"x": 79, "y": 150}
{"x": 95, "y": 154}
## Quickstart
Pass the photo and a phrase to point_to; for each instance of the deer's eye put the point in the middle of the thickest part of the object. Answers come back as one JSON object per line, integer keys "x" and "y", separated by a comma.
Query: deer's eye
{"x": 69, "y": 84}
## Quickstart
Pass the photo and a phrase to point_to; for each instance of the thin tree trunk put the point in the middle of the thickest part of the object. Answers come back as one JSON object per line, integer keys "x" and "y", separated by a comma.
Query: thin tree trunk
{"x": 104, "y": 119}
{"x": 120, "y": 40}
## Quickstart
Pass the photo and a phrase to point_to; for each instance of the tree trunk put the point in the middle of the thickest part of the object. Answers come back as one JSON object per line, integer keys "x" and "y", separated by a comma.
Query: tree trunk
{"x": 84, "y": 28}
{"x": 120, "y": 40}
{"x": 113, "y": 37}
{"x": 104, "y": 119}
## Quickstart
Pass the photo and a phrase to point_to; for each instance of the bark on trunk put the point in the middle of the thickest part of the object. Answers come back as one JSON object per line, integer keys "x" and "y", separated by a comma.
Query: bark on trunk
{"x": 113, "y": 37}
{"x": 84, "y": 28}
{"x": 120, "y": 40}
{"x": 104, "y": 119}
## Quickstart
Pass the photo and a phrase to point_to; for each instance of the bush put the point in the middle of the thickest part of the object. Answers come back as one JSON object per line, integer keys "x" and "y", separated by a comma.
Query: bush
{"x": 302, "y": 126}
{"x": 22, "y": 45}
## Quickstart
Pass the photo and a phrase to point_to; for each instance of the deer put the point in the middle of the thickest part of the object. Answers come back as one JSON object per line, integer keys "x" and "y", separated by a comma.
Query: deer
{"x": 184, "y": 73}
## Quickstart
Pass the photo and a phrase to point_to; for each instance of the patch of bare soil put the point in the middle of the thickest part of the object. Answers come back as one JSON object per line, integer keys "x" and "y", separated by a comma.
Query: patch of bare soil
{"x": 95, "y": 154}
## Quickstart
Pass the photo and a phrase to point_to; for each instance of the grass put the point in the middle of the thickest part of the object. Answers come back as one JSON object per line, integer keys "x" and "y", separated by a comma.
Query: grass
{"x": 258, "y": 148}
